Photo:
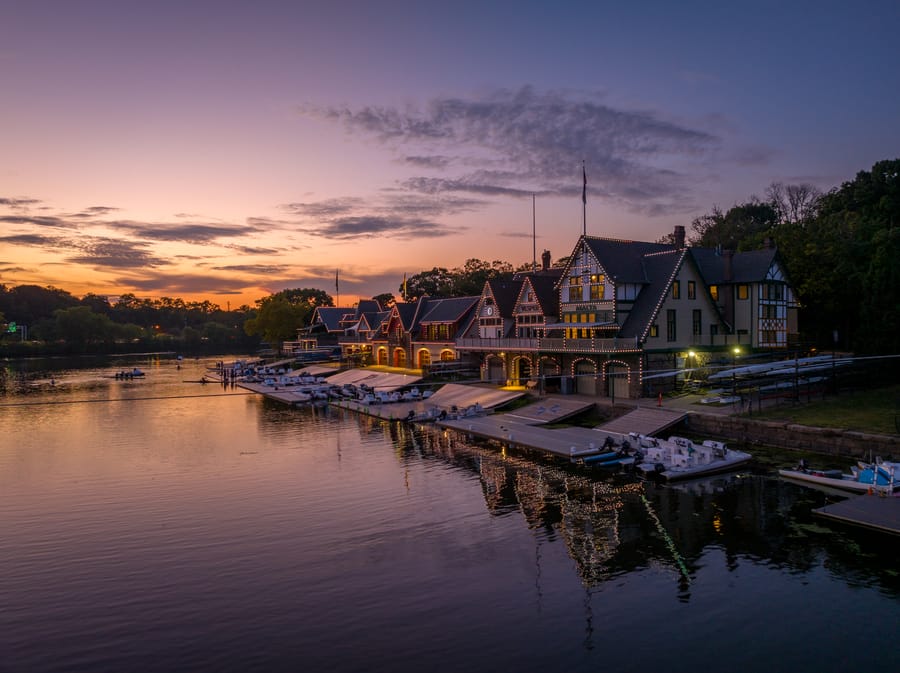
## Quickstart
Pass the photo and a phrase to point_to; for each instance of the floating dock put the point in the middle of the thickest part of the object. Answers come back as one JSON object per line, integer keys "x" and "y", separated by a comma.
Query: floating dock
{"x": 875, "y": 512}
{"x": 644, "y": 421}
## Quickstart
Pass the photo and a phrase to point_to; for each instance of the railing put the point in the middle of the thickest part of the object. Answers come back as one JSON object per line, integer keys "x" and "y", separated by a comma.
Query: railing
{"x": 557, "y": 345}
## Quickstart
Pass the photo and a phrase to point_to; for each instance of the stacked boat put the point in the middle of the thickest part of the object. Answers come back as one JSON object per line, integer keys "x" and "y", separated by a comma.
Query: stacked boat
{"x": 679, "y": 458}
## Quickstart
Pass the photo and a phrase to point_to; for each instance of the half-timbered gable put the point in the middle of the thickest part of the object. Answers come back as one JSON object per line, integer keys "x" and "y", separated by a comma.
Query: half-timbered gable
{"x": 754, "y": 294}
{"x": 537, "y": 304}
{"x": 495, "y": 309}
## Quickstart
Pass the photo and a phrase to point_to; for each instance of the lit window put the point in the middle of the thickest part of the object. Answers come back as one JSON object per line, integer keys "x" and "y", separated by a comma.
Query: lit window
{"x": 692, "y": 289}
{"x": 676, "y": 289}
{"x": 743, "y": 291}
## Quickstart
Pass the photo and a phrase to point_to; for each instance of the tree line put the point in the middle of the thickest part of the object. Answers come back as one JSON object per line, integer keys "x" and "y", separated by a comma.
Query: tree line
{"x": 841, "y": 250}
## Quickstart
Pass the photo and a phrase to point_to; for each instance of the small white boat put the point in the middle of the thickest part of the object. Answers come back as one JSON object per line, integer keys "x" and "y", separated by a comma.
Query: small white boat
{"x": 881, "y": 476}
{"x": 679, "y": 458}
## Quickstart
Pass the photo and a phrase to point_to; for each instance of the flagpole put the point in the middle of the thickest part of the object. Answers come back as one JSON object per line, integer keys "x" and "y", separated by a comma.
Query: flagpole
{"x": 337, "y": 289}
{"x": 533, "y": 237}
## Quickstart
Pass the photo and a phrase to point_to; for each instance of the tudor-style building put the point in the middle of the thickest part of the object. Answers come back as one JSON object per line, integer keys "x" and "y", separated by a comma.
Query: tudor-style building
{"x": 627, "y": 308}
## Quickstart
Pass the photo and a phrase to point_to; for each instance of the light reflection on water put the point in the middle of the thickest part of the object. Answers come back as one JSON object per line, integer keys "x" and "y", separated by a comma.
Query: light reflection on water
{"x": 173, "y": 526}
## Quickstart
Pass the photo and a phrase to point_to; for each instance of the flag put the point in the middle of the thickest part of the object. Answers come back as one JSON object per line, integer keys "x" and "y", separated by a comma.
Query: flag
{"x": 404, "y": 287}
{"x": 584, "y": 188}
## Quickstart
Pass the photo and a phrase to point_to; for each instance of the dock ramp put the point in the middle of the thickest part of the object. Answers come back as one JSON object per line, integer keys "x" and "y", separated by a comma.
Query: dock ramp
{"x": 644, "y": 421}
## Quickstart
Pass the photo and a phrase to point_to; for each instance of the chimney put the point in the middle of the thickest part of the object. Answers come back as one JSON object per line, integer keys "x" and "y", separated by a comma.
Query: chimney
{"x": 728, "y": 267}
{"x": 679, "y": 237}
{"x": 545, "y": 260}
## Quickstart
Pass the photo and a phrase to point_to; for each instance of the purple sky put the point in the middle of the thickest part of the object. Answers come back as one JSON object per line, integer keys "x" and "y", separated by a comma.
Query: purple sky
{"x": 226, "y": 150}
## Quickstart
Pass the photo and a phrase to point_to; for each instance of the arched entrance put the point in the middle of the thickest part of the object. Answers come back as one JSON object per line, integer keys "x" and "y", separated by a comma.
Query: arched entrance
{"x": 522, "y": 369}
{"x": 585, "y": 377}
{"x": 382, "y": 357}
{"x": 495, "y": 371}
{"x": 399, "y": 357}
{"x": 424, "y": 358}
{"x": 616, "y": 380}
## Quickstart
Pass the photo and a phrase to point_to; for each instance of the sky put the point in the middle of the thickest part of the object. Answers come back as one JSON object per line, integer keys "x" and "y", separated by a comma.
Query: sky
{"x": 227, "y": 150}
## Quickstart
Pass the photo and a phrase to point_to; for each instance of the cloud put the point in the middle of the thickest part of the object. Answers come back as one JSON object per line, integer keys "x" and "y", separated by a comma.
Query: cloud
{"x": 372, "y": 226}
{"x": 518, "y": 142}
{"x": 116, "y": 254}
{"x": 262, "y": 269}
{"x": 186, "y": 233}
{"x": 433, "y": 161}
{"x": 37, "y": 221}
{"x": 18, "y": 203}
{"x": 94, "y": 212}
{"x": 179, "y": 283}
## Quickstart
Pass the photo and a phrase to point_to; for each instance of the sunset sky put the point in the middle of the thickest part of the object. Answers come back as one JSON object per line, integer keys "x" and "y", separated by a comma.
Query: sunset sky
{"x": 226, "y": 150}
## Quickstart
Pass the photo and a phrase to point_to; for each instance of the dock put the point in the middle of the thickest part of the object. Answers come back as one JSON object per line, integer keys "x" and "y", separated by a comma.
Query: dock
{"x": 644, "y": 421}
{"x": 875, "y": 512}
{"x": 447, "y": 397}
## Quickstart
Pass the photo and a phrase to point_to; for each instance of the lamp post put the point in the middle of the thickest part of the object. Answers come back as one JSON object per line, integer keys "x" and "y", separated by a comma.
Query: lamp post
{"x": 691, "y": 356}
{"x": 734, "y": 353}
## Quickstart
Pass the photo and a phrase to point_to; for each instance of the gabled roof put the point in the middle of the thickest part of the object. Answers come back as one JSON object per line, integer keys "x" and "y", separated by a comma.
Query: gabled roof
{"x": 623, "y": 260}
{"x": 545, "y": 293}
{"x": 368, "y": 306}
{"x": 746, "y": 267}
{"x": 406, "y": 311}
{"x": 331, "y": 317}
{"x": 448, "y": 310}
{"x": 505, "y": 294}
{"x": 660, "y": 270}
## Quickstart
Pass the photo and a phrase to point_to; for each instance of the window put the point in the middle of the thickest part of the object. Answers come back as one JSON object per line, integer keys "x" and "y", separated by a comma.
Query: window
{"x": 671, "y": 329}
{"x": 692, "y": 289}
{"x": 654, "y": 330}
{"x": 676, "y": 289}
{"x": 598, "y": 286}
{"x": 697, "y": 322}
{"x": 743, "y": 291}
{"x": 714, "y": 292}
{"x": 575, "y": 291}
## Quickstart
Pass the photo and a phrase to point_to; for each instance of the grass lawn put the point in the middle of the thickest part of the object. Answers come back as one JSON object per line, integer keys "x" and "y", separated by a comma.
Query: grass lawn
{"x": 866, "y": 411}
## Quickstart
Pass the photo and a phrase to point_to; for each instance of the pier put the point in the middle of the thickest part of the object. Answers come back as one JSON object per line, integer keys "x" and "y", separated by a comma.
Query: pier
{"x": 875, "y": 512}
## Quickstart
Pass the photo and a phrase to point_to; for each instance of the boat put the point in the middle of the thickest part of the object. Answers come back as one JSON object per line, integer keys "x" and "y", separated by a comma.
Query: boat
{"x": 678, "y": 458}
{"x": 881, "y": 475}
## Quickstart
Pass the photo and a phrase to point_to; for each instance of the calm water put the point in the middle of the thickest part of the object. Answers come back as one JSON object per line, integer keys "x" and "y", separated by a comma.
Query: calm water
{"x": 158, "y": 525}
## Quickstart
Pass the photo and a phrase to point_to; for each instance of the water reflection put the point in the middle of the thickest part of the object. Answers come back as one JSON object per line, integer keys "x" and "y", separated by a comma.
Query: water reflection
{"x": 613, "y": 524}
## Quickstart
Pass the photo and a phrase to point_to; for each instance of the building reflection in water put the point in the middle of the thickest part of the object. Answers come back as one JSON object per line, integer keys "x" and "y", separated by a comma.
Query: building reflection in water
{"x": 614, "y": 524}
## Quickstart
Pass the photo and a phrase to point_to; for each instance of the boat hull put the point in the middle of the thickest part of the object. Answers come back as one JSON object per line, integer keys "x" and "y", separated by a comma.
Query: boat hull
{"x": 846, "y": 482}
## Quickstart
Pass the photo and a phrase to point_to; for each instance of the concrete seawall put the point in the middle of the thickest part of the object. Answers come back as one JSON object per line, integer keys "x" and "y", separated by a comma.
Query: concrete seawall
{"x": 830, "y": 441}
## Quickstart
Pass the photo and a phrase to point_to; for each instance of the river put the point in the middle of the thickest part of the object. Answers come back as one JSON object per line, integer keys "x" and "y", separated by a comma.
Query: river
{"x": 159, "y": 524}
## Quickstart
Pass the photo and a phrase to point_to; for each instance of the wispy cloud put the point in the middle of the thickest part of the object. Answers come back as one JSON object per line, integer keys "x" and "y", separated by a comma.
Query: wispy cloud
{"x": 518, "y": 142}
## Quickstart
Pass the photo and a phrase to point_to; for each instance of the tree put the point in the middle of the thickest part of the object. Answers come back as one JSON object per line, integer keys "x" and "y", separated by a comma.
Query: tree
{"x": 79, "y": 326}
{"x": 743, "y": 227}
{"x": 278, "y": 318}
{"x": 794, "y": 203}
{"x": 385, "y": 299}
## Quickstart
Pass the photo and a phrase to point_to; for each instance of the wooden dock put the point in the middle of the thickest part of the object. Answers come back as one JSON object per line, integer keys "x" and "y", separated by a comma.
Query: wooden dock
{"x": 564, "y": 442}
{"x": 644, "y": 421}
{"x": 881, "y": 513}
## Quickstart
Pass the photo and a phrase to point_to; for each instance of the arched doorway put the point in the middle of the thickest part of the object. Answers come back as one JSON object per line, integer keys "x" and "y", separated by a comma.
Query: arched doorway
{"x": 424, "y": 358}
{"x": 585, "y": 377}
{"x": 617, "y": 380}
{"x": 522, "y": 369}
{"x": 399, "y": 357}
{"x": 496, "y": 372}
{"x": 382, "y": 357}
